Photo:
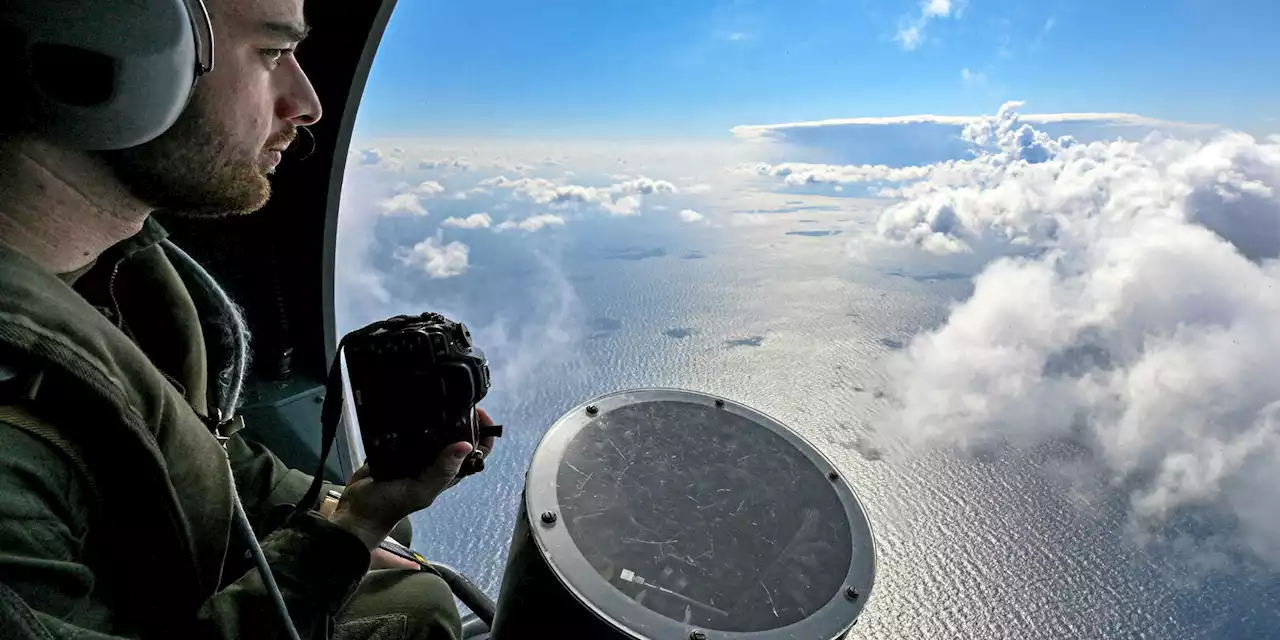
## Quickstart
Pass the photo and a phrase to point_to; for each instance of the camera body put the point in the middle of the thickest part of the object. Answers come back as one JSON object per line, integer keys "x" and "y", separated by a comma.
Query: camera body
{"x": 415, "y": 383}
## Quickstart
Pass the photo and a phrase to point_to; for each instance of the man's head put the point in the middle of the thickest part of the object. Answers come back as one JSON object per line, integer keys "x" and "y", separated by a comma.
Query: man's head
{"x": 215, "y": 159}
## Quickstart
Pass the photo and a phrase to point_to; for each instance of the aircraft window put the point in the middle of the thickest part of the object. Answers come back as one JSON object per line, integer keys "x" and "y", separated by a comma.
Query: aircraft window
{"x": 1035, "y": 327}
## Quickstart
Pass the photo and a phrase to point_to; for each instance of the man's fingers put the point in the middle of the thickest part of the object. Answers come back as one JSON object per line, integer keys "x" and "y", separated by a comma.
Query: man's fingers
{"x": 486, "y": 443}
{"x": 438, "y": 476}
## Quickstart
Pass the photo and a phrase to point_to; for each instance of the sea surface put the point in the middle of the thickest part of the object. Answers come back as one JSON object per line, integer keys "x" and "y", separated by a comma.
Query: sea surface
{"x": 777, "y": 317}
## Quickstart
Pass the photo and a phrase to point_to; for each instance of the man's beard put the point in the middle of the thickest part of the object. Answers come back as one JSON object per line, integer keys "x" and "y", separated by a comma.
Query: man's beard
{"x": 190, "y": 170}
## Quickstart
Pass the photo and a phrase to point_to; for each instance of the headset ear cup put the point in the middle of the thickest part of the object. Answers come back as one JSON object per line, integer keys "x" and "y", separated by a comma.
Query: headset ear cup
{"x": 101, "y": 74}
{"x": 15, "y": 76}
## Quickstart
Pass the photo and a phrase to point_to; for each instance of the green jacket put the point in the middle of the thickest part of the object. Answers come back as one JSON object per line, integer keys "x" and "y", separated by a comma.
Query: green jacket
{"x": 115, "y": 497}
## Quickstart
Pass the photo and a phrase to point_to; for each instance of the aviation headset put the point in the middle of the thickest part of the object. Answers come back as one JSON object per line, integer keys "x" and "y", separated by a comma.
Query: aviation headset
{"x": 101, "y": 75}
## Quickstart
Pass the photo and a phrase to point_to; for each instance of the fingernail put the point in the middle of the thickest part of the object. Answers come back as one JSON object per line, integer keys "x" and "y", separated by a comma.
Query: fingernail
{"x": 462, "y": 451}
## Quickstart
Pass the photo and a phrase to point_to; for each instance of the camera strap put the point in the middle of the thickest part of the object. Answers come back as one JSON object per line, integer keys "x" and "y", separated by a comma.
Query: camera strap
{"x": 330, "y": 415}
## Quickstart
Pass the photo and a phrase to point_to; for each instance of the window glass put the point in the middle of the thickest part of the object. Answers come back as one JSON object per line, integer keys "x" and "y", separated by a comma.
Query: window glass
{"x": 1010, "y": 265}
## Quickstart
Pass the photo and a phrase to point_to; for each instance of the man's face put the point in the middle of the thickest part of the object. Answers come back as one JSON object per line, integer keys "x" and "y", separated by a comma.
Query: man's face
{"x": 215, "y": 159}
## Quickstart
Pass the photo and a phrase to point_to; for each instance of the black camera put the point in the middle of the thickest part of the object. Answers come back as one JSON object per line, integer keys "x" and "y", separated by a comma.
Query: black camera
{"x": 415, "y": 382}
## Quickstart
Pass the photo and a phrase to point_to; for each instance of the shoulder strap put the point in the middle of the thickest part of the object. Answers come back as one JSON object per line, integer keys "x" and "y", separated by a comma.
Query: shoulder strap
{"x": 18, "y": 386}
{"x": 21, "y": 418}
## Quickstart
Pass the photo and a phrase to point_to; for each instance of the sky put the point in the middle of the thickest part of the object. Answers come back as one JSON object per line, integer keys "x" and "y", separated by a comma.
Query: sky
{"x": 696, "y": 68}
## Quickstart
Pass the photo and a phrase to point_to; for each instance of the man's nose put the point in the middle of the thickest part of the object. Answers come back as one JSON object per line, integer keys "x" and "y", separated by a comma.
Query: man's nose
{"x": 298, "y": 103}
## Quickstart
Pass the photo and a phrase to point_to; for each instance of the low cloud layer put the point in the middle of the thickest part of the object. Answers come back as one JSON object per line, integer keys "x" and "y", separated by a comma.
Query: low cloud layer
{"x": 914, "y": 141}
{"x": 1126, "y": 295}
{"x": 1126, "y": 292}
{"x": 622, "y": 198}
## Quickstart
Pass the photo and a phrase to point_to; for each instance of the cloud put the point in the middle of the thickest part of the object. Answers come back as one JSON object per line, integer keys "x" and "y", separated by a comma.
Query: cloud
{"x": 471, "y": 193}
{"x": 459, "y": 164}
{"x": 524, "y": 344}
{"x": 689, "y": 215}
{"x": 1126, "y": 297}
{"x": 973, "y": 78}
{"x": 439, "y": 260}
{"x": 918, "y": 140}
{"x": 619, "y": 199}
{"x": 402, "y": 203}
{"x": 429, "y": 188}
{"x": 373, "y": 157}
{"x": 644, "y": 186}
{"x": 1044, "y": 32}
{"x": 624, "y": 206}
{"x": 802, "y": 173}
{"x": 533, "y": 223}
{"x": 473, "y": 221}
{"x": 911, "y": 30}
{"x": 544, "y": 191}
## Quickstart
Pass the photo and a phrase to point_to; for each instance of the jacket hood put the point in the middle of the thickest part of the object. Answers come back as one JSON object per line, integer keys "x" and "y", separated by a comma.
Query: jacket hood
{"x": 222, "y": 320}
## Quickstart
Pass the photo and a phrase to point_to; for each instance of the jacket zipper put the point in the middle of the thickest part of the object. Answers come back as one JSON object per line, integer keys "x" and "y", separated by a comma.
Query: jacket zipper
{"x": 115, "y": 303}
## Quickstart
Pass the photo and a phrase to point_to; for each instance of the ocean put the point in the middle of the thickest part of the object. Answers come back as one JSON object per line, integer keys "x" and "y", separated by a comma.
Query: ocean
{"x": 775, "y": 315}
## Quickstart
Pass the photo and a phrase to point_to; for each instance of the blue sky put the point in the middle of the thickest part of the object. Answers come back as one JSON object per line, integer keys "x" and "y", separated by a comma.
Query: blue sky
{"x": 693, "y": 68}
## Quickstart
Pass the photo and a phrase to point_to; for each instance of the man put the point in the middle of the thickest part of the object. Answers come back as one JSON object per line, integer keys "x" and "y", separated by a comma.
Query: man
{"x": 116, "y": 498}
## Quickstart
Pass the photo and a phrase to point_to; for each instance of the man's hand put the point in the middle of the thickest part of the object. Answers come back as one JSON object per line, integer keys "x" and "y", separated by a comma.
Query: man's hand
{"x": 370, "y": 509}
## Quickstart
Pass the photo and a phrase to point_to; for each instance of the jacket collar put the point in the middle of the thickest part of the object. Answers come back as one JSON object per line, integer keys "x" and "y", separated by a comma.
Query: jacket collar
{"x": 148, "y": 236}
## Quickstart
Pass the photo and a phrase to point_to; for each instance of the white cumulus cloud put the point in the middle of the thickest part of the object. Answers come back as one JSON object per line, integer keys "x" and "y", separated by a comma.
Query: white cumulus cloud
{"x": 438, "y": 259}
{"x": 459, "y": 164}
{"x": 624, "y": 206}
{"x": 619, "y": 199}
{"x": 802, "y": 173}
{"x": 689, "y": 215}
{"x": 402, "y": 203}
{"x": 429, "y": 188}
{"x": 533, "y": 223}
{"x": 473, "y": 221}
{"x": 643, "y": 186}
{"x": 1127, "y": 296}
